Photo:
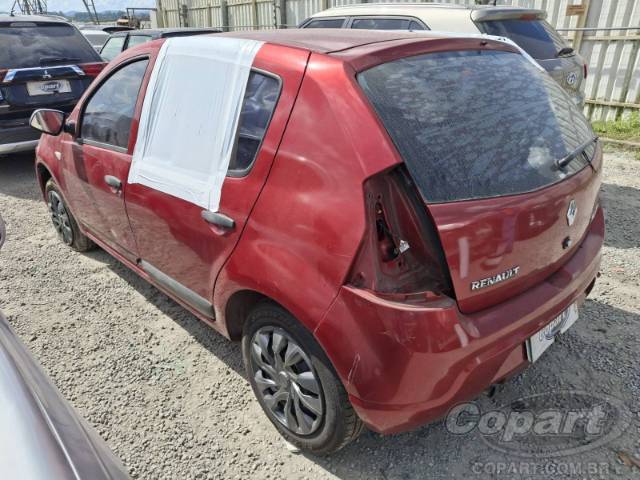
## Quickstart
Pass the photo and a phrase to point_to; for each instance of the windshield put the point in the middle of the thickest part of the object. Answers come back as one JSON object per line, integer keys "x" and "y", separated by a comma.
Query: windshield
{"x": 27, "y": 44}
{"x": 536, "y": 37}
{"x": 476, "y": 124}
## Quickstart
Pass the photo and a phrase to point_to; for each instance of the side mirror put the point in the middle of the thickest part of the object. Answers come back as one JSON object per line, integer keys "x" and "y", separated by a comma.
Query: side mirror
{"x": 47, "y": 121}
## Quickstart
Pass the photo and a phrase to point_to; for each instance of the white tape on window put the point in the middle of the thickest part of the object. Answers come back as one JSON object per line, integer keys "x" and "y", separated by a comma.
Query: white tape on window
{"x": 190, "y": 116}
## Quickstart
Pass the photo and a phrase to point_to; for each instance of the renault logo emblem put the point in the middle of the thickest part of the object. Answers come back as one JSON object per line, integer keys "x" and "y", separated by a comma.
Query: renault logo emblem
{"x": 571, "y": 212}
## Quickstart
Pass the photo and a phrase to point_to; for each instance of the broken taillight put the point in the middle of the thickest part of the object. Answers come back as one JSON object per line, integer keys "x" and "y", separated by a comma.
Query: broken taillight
{"x": 400, "y": 255}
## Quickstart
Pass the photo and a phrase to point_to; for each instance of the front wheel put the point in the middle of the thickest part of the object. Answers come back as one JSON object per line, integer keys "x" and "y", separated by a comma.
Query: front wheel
{"x": 295, "y": 383}
{"x": 65, "y": 225}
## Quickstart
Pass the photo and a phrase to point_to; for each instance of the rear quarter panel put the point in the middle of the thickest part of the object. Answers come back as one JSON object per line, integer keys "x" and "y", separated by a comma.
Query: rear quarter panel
{"x": 306, "y": 226}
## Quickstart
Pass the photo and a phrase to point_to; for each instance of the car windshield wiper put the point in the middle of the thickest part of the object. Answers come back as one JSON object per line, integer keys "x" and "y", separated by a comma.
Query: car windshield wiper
{"x": 566, "y": 160}
{"x": 564, "y": 51}
{"x": 44, "y": 61}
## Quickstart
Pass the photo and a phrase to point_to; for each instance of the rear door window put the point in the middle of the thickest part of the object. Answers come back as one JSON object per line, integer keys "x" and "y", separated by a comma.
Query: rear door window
{"x": 112, "y": 48}
{"x": 536, "y": 37}
{"x": 107, "y": 116}
{"x": 325, "y": 23}
{"x": 381, "y": 23}
{"x": 30, "y": 44}
{"x": 137, "y": 40}
{"x": 476, "y": 124}
{"x": 259, "y": 103}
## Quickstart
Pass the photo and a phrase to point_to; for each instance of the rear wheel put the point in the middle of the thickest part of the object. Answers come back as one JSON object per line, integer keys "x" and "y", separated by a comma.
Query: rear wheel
{"x": 63, "y": 221}
{"x": 295, "y": 383}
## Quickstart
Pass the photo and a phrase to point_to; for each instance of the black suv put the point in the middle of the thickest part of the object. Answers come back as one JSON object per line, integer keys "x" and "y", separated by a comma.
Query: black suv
{"x": 44, "y": 62}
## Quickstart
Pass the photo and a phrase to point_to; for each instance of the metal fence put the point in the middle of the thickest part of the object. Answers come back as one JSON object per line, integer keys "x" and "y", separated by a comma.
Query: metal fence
{"x": 605, "y": 32}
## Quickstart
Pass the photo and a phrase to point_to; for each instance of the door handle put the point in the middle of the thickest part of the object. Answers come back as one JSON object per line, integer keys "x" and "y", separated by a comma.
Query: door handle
{"x": 113, "y": 182}
{"x": 219, "y": 219}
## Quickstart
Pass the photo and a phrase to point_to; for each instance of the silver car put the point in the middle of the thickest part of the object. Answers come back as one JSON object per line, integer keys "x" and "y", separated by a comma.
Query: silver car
{"x": 526, "y": 27}
{"x": 41, "y": 436}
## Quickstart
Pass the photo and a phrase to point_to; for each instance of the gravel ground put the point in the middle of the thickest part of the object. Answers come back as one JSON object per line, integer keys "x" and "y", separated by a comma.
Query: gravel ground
{"x": 169, "y": 395}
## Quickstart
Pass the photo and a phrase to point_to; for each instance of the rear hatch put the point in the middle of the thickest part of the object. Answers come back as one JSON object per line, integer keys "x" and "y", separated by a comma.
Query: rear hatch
{"x": 530, "y": 30}
{"x": 480, "y": 133}
{"x": 43, "y": 64}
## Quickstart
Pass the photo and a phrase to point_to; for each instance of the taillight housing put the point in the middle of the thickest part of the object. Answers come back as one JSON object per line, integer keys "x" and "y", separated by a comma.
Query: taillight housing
{"x": 584, "y": 68}
{"x": 92, "y": 69}
{"x": 3, "y": 72}
{"x": 401, "y": 256}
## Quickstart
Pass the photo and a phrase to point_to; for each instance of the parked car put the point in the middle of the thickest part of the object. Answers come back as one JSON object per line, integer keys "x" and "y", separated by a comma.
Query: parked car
{"x": 96, "y": 38}
{"x": 391, "y": 235}
{"x": 44, "y": 62}
{"x": 525, "y": 26}
{"x": 41, "y": 436}
{"x": 120, "y": 41}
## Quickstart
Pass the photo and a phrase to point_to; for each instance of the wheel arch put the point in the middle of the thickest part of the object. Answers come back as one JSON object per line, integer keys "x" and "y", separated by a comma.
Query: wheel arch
{"x": 239, "y": 306}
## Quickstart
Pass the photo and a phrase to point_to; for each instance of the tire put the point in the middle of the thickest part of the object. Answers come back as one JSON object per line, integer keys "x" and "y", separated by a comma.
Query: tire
{"x": 337, "y": 424}
{"x": 63, "y": 221}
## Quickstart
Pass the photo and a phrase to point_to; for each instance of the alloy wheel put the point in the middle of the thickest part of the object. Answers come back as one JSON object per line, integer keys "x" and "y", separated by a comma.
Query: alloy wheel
{"x": 286, "y": 381}
{"x": 60, "y": 217}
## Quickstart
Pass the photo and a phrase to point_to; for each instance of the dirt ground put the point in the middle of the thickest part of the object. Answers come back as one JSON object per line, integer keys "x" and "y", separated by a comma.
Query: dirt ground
{"x": 170, "y": 398}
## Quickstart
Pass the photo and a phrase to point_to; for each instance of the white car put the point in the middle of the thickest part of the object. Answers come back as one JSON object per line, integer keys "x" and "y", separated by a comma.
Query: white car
{"x": 526, "y": 27}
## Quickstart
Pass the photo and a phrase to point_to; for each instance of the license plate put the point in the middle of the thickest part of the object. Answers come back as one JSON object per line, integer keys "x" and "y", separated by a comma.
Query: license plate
{"x": 48, "y": 87}
{"x": 543, "y": 339}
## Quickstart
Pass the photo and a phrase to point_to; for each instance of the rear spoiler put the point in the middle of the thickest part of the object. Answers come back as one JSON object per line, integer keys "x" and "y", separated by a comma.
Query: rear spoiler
{"x": 489, "y": 14}
{"x": 495, "y": 38}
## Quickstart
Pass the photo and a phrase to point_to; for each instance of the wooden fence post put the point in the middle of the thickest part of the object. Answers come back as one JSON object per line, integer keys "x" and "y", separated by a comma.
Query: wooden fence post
{"x": 582, "y": 22}
{"x": 224, "y": 15}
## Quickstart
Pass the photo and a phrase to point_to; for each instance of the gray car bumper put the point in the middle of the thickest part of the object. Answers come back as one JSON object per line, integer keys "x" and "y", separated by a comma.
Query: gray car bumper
{"x": 26, "y": 146}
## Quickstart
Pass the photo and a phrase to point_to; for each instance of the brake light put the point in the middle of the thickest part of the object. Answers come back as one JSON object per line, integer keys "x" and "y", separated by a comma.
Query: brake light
{"x": 585, "y": 71}
{"x": 401, "y": 256}
{"x": 3, "y": 72}
{"x": 92, "y": 69}
{"x": 529, "y": 16}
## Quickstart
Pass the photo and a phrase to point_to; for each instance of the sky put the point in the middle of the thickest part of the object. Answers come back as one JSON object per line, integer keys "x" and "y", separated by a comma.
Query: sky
{"x": 77, "y": 5}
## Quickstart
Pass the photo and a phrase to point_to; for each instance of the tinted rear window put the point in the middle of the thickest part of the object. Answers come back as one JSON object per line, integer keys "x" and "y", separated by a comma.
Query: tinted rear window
{"x": 536, "y": 37}
{"x": 381, "y": 23}
{"x": 26, "y": 44}
{"x": 330, "y": 23}
{"x": 476, "y": 124}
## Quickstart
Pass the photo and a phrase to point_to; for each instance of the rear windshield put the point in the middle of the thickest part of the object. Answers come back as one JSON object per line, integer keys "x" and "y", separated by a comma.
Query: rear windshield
{"x": 536, "y": 37}
{"x": 476, "y": 124}
{"x": 26, "y": 44}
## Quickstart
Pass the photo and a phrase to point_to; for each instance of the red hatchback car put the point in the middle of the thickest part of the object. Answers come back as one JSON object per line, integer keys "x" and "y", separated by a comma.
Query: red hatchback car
{"x": 406, "y": 220}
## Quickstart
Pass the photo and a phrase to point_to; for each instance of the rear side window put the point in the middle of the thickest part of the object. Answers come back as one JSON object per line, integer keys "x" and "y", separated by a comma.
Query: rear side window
{"x": 107, "y": 117}
{"x": 536, "y": 37}
{"x": 476, "y": 124}
{"x": 112, "y": 48}
{"x": 381, "y": 23}
{"x": 326, "y": 23}
{"x": 28, "y": 44}
{"x": 137, "y": 40}
{"x": 259, "y": 102}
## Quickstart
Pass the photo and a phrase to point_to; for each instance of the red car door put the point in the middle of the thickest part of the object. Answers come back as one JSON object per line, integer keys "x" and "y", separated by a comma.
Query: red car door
{"x": 181, "y": 249}
{"x": 97, "y": 160}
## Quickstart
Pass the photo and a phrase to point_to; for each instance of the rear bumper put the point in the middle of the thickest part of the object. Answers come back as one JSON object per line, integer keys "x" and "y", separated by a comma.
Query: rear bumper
{"x": 19, "y": 138}
{"x": 405, "y": 365}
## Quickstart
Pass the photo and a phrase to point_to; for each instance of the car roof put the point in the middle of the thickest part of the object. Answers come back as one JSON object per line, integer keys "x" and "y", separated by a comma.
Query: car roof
{"x": 444, "y": 17}
{"x": 5, "y": 18}
{"x": 329, "y": 40}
